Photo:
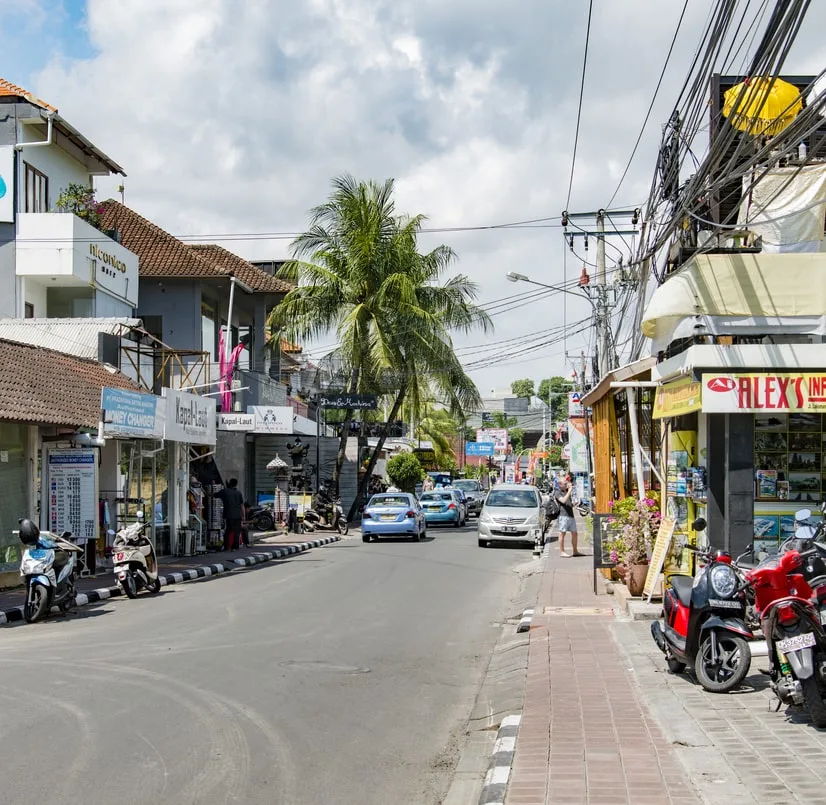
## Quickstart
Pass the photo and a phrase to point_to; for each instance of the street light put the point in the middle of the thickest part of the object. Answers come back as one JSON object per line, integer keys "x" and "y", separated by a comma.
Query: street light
{"x": 515, "y": 276}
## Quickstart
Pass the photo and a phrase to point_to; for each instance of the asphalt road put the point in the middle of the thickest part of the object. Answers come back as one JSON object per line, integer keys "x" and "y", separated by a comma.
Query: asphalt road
{"x": 344, "y": 675}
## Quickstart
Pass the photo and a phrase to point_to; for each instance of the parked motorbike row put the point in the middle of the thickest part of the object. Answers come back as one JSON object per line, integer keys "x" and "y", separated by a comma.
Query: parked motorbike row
{"x": 49, "y": 566}
{"x": 711, "y": 621}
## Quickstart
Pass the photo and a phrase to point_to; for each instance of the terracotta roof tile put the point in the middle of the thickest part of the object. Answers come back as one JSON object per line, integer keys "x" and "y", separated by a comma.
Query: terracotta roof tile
{"x": 256, "y": 278}
{"x": 44, "y": 386}
{"x": 288, "y": 346}
{"x": 160, "y": 254}
{"x": 7, "y": 89}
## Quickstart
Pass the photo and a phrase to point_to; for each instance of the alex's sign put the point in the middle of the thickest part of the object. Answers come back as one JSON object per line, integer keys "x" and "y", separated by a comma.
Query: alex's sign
{"x": 745, "y": 393}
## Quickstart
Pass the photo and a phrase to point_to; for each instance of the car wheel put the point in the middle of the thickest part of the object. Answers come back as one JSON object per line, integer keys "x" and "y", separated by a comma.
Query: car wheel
{"x": 483, "y": 543}
{"x": 365, "y": 538}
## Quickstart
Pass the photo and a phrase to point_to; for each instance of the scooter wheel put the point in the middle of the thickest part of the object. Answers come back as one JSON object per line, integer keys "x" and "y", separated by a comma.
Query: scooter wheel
{"x": 154, "y": 586}
{"x": 37, "y": 602}
{"x": 814, "y": 701}
{"x": 734, "y": 659}
{"x": 342, "y": 526}
{"x": 129, "y": 587}
{"x": 675, "y": 666}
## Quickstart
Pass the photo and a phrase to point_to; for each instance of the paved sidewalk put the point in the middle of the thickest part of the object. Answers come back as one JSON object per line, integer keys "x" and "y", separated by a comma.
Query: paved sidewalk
{"x": 175, "y": 570}
{"x": 585, "y": 734}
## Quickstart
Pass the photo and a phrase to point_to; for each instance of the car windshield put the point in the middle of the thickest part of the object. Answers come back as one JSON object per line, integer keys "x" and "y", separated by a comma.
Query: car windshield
{"x": 512, "y": 498}
{"x": 467, "y": 486}
{"x": 437, "y": 496}
{"x": 389, "y": 500}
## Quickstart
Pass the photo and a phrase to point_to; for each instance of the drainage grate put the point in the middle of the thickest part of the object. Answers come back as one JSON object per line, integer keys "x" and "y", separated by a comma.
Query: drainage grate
{"x": 579, "y": 611}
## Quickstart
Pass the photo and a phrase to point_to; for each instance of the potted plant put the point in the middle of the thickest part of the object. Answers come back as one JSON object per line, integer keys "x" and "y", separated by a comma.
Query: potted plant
{"x": 634, "y": 525}
{"x": 79, "y": 199}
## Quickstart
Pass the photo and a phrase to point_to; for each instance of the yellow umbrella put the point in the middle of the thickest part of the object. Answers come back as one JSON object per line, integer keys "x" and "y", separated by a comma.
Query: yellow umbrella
{"x": 762, "y": 105}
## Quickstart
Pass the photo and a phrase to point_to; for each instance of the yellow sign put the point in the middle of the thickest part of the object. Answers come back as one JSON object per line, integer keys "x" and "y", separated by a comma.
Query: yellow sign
{"x": 661, "y": 547}
{"x": 675, "y": 399}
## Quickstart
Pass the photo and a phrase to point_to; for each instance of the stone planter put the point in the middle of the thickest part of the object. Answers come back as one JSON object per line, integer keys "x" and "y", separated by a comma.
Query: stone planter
{"x": 635, "y": 579}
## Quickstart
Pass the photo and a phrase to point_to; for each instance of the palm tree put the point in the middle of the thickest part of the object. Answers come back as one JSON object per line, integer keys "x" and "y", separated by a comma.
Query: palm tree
{"x": 360, "y": 275}
{"x": 437, "y": 426}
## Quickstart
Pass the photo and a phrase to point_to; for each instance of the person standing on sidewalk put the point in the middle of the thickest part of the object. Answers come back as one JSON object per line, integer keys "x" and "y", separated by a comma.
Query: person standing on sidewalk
{"x": 566, "y": 522}
{"x": 233, "y": 502}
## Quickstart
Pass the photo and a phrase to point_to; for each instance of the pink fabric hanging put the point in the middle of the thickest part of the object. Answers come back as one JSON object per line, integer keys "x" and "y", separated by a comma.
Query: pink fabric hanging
{"x": 226, "y": 369}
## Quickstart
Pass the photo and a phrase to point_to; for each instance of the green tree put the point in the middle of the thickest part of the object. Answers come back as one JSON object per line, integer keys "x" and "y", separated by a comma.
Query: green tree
{"x": 438, "y": 427}
{"x": 555, "y": 455}
{"x": 522, "y": 388}
{"x": 558, "y": 388}
{"x": 359, "y": 274}
{"x": 405, "y": 471}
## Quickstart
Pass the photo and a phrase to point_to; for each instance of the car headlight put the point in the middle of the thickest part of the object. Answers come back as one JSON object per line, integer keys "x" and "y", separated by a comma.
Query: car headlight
{"x": 532, "y": 520}
{"x": 485, "y": 517}
{"x": 723, "y": 581}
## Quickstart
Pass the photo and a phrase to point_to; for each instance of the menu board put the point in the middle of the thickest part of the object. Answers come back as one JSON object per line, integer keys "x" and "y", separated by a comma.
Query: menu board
{"x": 72, "y": 483}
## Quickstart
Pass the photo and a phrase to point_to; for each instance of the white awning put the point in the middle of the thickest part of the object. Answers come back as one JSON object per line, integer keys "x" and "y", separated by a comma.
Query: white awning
{"x": 724, "y": 293}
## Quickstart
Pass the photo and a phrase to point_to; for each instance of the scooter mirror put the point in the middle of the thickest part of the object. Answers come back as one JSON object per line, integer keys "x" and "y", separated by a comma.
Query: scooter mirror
{"x": 110, "y": 533}
{"x": 140, "y": 515}
{"x": 802, "y": 514}
{"x": 699, "y": 524}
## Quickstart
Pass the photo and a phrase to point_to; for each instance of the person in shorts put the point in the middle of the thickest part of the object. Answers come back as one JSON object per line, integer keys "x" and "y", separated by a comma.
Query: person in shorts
{"x": 566, "y": 522}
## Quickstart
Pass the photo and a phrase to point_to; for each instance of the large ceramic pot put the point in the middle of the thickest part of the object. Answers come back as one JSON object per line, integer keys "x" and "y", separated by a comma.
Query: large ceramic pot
{"x": 621, "y": 571}
{"x": 635, "y": 579}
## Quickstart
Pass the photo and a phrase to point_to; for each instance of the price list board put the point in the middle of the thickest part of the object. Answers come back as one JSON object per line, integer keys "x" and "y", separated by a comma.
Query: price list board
{"x": 73, "y": 492}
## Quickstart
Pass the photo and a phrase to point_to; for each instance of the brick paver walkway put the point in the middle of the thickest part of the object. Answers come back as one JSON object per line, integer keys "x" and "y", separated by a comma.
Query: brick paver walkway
{"x": 585, "y": 735}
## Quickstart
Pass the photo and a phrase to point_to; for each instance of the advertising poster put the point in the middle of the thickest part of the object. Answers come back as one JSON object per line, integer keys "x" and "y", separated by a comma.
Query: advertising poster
{"x": 6, "y": 184}
{"x": 578, "y": 444}
{"x": 72, "y": 479}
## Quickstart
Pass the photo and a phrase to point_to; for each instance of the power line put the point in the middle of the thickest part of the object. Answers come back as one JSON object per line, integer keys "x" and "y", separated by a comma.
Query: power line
{"x": 650, "y": 106}
{"x": 581, "y": 93}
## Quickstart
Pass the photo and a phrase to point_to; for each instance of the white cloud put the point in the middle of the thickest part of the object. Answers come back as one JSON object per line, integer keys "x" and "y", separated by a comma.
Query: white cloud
{"x": 233, "y": 117}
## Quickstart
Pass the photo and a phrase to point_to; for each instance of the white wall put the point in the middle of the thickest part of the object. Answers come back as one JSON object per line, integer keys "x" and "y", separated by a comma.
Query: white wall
{"x": 8, "y": 280}
{"x": 35, "y": 294}
{"x": 52, "y": 160}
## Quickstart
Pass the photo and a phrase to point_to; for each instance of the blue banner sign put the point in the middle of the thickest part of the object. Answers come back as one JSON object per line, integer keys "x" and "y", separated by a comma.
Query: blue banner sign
{"x": 131, "y": 413}
{"x": 479, "y": 448}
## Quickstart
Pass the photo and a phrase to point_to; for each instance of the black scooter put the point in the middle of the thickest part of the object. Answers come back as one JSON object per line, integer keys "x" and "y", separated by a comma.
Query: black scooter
{"x": 704, "y": 622}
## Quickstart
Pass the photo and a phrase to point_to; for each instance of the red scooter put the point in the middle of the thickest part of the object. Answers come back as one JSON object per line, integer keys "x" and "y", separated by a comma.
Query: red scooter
{"x": 704, "y": 623}
{"x": 790, "y": 616}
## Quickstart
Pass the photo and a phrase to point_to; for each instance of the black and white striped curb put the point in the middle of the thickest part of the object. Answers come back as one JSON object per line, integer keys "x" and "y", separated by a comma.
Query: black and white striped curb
{"x": 15, "y": 614}
{"x": 499, "y": 770}
{"x": 525, "y": 623}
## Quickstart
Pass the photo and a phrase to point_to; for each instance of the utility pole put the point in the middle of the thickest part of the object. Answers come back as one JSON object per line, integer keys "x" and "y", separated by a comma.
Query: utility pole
{"x": 603, "y": 334}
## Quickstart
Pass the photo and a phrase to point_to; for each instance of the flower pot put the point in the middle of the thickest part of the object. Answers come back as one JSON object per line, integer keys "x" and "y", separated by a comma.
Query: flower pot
{"x": 621, "y": 571}
{"x": 635, "y": 579}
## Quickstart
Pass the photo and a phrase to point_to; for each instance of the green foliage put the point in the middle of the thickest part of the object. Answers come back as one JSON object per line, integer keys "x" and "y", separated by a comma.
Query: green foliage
{"x": 633, "y": 527}
{"x": 555, "y": 455}
{"x": 79, "y": 199}
{"x": 558, "y": 387}
{"x": 522, "y": 388}
{"x": 516, "y": 437}
{"x": 439, "y": 427}
{"x": 405, "y": 471}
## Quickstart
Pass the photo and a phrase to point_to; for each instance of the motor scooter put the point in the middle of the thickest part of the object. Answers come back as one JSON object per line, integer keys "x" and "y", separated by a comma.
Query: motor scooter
{"x": 790, "y": 599}
{"x": 704, "y": 622}
{"x": 48, "y": 566}
{"x": 136, "y": 565}
{"x": 332, "y": 519}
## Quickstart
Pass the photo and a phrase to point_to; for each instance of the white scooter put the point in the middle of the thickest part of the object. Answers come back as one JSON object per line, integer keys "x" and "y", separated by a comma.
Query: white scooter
{"x": 136, "y": 565}
{"x": 48, "y": 566}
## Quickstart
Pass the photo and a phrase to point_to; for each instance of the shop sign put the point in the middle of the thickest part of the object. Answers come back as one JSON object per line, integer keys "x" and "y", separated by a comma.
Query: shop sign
{"x": 753, "y": 392}
{"x": 675, "y": 399}
{"x": 499, "y": 437}
{"x": 273, "y": 419}
{"x": 243, "y": 422}
{"x": 575, "y": 407}
{"x": 189, "y": 418}
{"x": 72, "y": 481}
{"x": 132, "y": 413}
{"x": 479, "y": 448}
{"x": 6, "y": 184}
{"x": 578, "y": 446}
{"x": 357, "y": 402}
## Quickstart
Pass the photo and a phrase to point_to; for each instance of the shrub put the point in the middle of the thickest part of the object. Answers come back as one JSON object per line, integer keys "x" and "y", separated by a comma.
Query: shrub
{"x": 405, "y": 471}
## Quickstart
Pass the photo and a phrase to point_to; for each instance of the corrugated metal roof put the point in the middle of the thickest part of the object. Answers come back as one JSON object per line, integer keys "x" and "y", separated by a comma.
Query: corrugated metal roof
{"x": 77, "y": 337}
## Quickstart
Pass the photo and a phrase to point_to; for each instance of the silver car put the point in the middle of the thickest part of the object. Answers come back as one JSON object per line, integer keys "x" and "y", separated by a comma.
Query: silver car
{"x": 512, "y": 513}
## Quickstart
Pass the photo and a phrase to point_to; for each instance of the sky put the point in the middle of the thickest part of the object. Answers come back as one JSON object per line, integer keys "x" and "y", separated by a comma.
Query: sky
{"x": 231, "y": 117}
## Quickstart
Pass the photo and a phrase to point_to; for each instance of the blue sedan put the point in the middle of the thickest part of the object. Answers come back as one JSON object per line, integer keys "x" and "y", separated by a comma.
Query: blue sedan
{"x": 393, "y": 514}
{"x": 441, "y": 507}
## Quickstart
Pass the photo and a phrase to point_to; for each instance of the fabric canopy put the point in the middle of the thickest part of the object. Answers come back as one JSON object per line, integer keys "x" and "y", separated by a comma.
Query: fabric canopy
{"x": 783, "y": 290}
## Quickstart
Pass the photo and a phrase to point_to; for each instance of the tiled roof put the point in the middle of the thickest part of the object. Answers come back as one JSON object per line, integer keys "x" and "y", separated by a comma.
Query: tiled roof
{"x": 256, "y": 278}
{"x": 43, "y": 386}
{"x": 163, "y": 255}
{"x": 78, "y": 337}
{"x": 287, "y": 346}
{"x": 160, "y": 254}
{"x": 7, "y": 89}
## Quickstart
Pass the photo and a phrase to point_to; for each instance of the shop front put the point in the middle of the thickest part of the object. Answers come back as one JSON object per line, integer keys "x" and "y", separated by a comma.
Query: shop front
{"x": 193, "y": 519}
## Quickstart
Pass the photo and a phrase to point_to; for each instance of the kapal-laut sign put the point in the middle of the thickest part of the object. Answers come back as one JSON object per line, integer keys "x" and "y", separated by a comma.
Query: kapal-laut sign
{"x": 191, "y": 415}
{"x": 108, "y": 259}
{"x": 751, "y": 392}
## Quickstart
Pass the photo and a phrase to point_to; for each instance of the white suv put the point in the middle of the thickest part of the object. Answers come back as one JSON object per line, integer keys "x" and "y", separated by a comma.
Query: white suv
{"x": 512, "y": 513}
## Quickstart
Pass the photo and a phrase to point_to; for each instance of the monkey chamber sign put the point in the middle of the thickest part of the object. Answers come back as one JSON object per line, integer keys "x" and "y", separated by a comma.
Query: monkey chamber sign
{"x": 752, "y": 393}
